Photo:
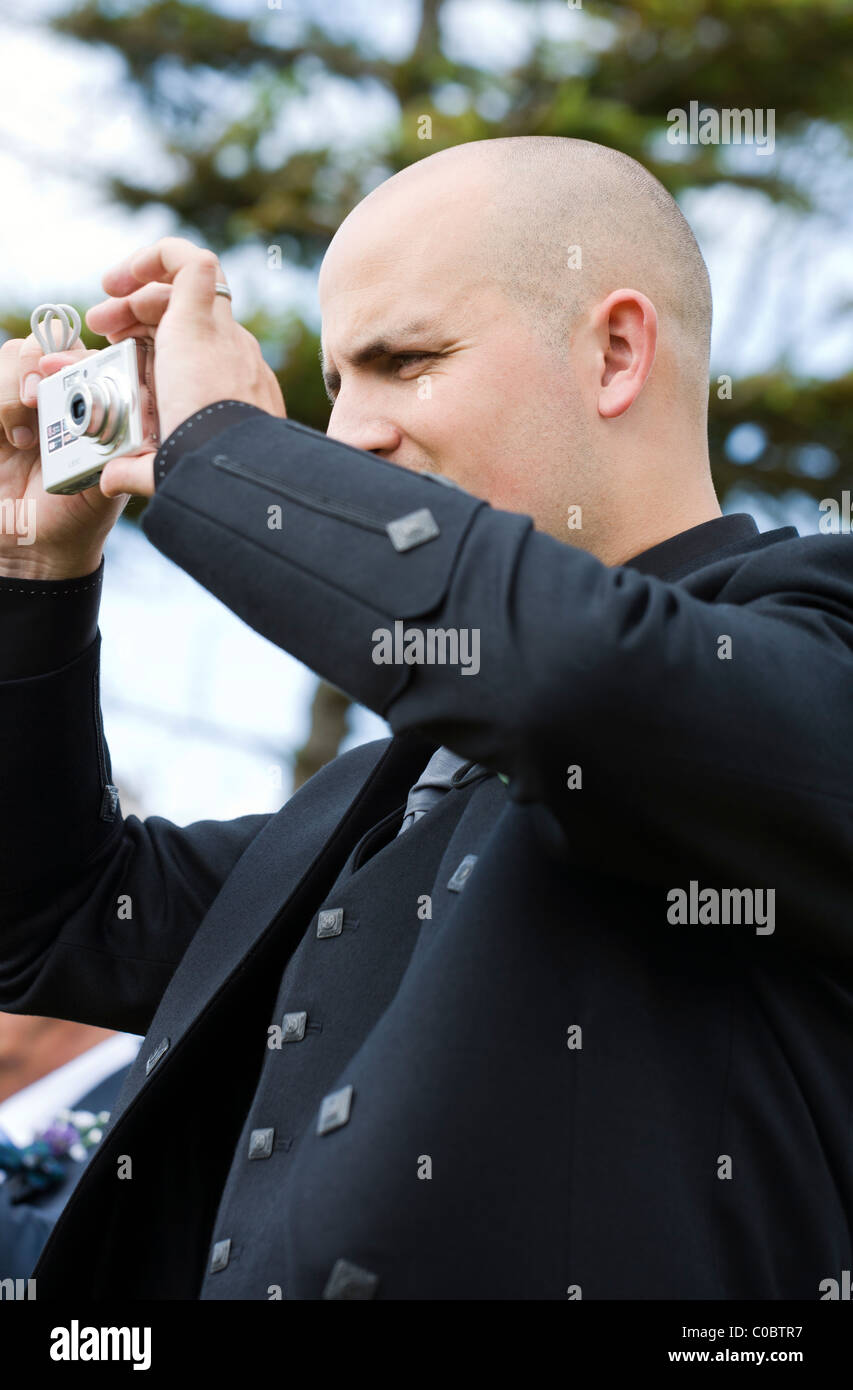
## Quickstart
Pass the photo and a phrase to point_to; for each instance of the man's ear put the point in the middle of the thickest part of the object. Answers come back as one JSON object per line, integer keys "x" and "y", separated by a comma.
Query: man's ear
{"x": 626, "y": 324}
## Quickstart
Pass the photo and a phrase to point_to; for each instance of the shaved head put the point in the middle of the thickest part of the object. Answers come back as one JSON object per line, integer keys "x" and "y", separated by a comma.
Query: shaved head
{"x": 563, "y": 222}
{"x": 555, "y": 198}
{"x": 554, "y": 286}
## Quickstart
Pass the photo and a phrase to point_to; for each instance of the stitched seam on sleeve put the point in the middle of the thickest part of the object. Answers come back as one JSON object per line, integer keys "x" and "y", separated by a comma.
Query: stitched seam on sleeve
{"x": 6, "y": 588}
{"x": 187, "y": 425}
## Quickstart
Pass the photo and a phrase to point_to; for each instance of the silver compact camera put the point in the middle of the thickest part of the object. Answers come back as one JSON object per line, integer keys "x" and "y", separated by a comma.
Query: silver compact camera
{"x": 99, "y": 408}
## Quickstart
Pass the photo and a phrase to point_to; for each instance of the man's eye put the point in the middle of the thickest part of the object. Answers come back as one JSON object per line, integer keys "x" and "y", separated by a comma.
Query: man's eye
{"x": 397, "y": 360}
{"x": 401, "y": 358}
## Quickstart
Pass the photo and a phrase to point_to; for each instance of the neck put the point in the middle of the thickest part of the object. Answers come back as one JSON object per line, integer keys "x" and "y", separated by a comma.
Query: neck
{"x": 651, "y": 503}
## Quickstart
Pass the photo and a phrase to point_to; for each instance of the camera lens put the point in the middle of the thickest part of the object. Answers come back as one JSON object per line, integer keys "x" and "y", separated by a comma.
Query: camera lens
{"x": 96, "y": 411}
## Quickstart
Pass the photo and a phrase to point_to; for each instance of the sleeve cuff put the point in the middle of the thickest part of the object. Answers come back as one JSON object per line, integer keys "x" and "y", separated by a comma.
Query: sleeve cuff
{"x": 196, "y": 430}
{"x": 46, "y": 623}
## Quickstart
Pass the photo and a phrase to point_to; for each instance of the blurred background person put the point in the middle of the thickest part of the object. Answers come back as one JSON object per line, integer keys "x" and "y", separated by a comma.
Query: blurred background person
{"x": 58, "y": 1084}
{"x": 49, "y": 1067}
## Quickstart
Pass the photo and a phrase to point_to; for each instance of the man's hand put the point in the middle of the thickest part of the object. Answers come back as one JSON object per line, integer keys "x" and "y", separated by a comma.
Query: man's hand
{"x": 201, "y": 354}
{"x": 44, "y": 535}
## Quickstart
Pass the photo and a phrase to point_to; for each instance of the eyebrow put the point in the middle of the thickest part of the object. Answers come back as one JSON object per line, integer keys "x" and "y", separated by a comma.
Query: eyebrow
{"x": 377, "y": 347}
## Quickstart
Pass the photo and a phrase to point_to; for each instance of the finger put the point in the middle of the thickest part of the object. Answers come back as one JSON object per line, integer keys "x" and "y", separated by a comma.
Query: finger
{"x": 137, "y": 313}
{"x": 35, "y": 364}
{"x": 17, "y": 423}
{"x": 53, "y": 362}
{"x": 160, "y": 261}
{"x": 30, "y": 354}
{"x": 192, "y": 271}
{"x": 20, "y": 373}
{"x": 132, "y": 474}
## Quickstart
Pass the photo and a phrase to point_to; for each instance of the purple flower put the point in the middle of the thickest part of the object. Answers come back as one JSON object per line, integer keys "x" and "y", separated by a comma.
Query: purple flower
{"x": 60, "y": 1137}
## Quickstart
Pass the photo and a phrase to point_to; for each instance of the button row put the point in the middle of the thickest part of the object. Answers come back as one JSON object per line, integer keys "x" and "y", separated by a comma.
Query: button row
{"x": 330, "y": 922}
{"x": 347, "y": 1280}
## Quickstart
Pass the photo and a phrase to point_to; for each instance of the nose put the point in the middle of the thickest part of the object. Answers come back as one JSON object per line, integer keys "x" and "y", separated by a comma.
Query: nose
{"x": 373, "y": 433}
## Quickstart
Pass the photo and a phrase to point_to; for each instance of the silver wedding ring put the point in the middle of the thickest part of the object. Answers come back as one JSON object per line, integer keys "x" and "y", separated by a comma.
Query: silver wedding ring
{"x": 221, "y": 288}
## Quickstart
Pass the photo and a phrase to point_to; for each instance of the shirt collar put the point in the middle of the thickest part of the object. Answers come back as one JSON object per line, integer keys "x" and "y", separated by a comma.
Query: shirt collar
{"x": 720, "y": 536}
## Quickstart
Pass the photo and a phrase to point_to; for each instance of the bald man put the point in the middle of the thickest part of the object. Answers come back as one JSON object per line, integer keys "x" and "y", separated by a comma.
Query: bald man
{"x": 549, "y": 994}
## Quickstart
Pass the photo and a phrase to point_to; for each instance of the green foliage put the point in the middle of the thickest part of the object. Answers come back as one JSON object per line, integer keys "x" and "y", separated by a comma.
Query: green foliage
{"x": 796, "y": 416}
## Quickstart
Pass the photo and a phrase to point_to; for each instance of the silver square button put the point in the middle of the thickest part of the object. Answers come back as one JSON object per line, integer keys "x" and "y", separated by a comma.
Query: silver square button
{"x": 330, "y": 922}
{"x": 412, "y": 529}
{"x": 348, "y": 1280}
{"x": 461, "y": 873}
{"x": 260, "y": 1143}
{"x": 293, "y": 1027}
{"x": 334, "y": 1110}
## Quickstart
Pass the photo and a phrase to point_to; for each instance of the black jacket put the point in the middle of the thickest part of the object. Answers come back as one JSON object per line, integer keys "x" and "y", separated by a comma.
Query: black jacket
{"x": 556, "y": 1091}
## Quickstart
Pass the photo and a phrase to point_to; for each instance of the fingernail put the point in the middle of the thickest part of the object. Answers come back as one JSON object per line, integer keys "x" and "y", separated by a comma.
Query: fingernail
{"x": 23, "y": 437}
{"x": 31, "y": 383}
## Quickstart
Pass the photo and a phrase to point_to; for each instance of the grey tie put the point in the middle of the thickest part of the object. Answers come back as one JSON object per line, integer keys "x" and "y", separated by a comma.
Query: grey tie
{"x": 433, "y": 782}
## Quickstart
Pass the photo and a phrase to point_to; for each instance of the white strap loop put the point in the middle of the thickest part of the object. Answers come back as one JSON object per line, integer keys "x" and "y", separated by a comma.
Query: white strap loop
{"x": 67, "y": 317}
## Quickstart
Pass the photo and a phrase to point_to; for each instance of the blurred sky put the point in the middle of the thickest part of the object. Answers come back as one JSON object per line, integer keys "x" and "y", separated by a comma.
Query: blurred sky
{"x": 199, "y": 711}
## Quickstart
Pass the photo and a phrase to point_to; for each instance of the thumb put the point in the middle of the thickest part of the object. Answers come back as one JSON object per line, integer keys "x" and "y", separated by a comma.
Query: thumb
{"x": 133, "y": 474}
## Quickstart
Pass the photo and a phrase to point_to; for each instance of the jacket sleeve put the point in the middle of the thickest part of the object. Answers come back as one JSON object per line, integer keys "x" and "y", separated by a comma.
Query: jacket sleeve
{"x": 710, "y": 718}
{"x": 96, "y": 909}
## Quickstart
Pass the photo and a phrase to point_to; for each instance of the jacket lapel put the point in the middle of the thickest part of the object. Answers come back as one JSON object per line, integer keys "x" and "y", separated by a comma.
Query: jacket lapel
{"x": 278, "y": 882}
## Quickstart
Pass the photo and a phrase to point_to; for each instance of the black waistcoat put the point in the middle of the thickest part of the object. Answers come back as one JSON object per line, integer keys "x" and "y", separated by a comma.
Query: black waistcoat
{"x": 339, "y": 981}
